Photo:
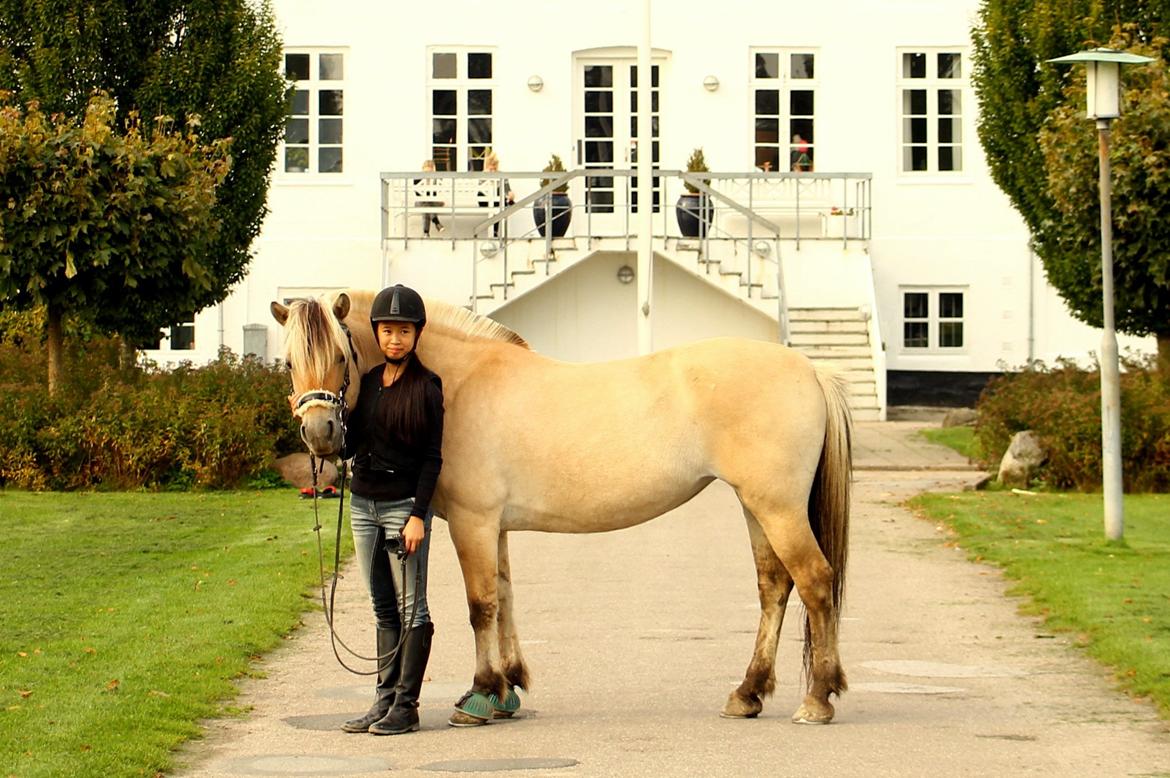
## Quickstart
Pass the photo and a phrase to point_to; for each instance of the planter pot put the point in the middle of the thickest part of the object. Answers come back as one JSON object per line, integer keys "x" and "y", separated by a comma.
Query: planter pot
{"x": 560, "y": 211}
{"x": 695, "y": 214}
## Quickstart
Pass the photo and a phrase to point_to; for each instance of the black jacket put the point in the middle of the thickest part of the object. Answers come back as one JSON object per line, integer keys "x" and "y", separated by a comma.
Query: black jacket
{"x": 384, "y": 466}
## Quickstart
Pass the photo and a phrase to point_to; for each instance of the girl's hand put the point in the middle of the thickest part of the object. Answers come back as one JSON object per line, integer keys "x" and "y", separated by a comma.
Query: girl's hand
{"x": 413, "y": 533}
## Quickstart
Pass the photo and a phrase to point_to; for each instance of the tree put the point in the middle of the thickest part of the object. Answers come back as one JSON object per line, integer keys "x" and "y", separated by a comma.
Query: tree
{"x": 1042, "y": 153}
{"x": 214, "y": 61}
{"x": 89, "y": 211}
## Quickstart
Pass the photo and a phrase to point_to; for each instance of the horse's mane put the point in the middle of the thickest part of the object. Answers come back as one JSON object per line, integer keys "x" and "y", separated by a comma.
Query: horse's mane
{"x": 442, "y": 317}
{"x": 461, "y": 323}
{"x": 312, "y": 335}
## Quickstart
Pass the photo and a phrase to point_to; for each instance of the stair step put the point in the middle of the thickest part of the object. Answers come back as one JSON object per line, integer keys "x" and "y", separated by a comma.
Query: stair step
{"x": 800, "y": 339}
{"x": 866, "y": 414}
{"x": 828, "y": 325}
{"x": 826, "y": 314}
{"x": 836, "y": 352}
{"x": 523, "y": 272}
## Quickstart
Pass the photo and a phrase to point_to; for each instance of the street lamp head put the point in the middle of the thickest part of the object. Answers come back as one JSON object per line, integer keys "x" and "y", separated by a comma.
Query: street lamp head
{"x": 1103, "y": 79}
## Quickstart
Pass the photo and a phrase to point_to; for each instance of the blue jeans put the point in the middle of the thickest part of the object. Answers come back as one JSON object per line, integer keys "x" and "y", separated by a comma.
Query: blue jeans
{"x": 372, "y": 521}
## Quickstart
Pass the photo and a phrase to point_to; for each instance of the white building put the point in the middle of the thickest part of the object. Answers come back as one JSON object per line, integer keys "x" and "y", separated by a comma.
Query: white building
{"x": 875, "y": 239}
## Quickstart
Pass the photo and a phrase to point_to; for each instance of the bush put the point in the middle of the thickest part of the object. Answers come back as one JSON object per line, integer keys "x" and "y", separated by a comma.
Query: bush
{"x": 1062, "y": 404}
{"x": 216, "y": 426}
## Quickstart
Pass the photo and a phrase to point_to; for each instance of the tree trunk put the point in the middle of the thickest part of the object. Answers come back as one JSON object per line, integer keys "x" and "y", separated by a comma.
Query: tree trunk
{"x": 127, "y": 355}
{"x": 1163, "y": 353}
{"x": 55, "y": 346}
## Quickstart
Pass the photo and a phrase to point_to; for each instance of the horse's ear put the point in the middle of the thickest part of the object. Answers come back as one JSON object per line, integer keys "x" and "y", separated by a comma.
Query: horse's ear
{"x": 279, "y": 312}
{"x": 341, "y": 306}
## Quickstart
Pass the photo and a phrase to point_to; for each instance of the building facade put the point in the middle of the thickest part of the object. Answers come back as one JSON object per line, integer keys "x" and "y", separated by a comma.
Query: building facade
{"x": 848, "y": 209}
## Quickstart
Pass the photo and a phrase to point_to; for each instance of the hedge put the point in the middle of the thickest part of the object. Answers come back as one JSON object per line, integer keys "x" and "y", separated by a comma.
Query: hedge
{"x": 1062, "y": 404}
{"x": 215, "y": 426}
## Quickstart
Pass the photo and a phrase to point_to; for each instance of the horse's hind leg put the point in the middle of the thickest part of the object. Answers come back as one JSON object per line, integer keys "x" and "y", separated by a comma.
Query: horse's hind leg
{"x": 774, "y": 585}
{"x": 515, "y": 670}
{"x": 792, "y": 538}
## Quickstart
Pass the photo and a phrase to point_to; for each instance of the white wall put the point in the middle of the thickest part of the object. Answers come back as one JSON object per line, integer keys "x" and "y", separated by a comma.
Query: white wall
{"x": 323, "y": 231}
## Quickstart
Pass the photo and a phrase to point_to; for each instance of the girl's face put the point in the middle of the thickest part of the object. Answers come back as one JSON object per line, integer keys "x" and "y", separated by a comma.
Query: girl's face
{"x": 396, "y": 338}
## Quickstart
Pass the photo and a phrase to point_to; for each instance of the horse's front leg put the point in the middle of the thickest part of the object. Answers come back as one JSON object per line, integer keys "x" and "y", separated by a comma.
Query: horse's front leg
{"x": 476, "y": 539}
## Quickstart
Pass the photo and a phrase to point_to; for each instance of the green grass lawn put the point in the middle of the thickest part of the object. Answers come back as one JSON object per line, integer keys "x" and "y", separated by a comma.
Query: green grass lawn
{"x": 961, "y": 439}
{"x": 1114, "y": 598}
{"x": 127, "y": 617}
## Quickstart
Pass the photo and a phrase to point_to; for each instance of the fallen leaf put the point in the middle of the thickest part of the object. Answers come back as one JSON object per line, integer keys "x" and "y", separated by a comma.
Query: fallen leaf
{"x": 25, "y": 693}
{"x": 90, "y": 650}
{"x": 113, "y": 684}
{"x": 22, "y": 653}
{"x": 86, "y": 747}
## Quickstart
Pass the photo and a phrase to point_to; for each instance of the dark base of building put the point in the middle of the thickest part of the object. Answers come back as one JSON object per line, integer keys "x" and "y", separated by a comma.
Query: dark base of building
{"x": 933, "y": 388}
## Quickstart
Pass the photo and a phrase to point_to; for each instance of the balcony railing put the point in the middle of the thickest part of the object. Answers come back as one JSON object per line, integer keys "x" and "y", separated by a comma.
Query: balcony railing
{"x": 739, "y": 206}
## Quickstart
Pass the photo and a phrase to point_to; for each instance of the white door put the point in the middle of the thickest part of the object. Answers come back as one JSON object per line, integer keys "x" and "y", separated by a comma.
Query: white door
{"x": 607, "y": 138}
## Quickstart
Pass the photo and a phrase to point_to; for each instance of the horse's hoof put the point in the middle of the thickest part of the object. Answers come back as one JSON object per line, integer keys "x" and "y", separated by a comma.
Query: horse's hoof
{"x": 738, "y": 707}
{"x": 461, "y": 719}
{"x": 508, "y": 707}
{"x": 813, "y": 712}
{"x": 472, "y": 710}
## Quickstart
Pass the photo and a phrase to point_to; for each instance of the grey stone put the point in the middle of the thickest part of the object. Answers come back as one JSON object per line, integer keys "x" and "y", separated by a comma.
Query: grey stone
{"x": 1022, "y": 459}
{"x": 497, "y": 765}
{"x": 904, "y": 688}
{"x": 960, "y": 417}
{"x": 295, "y": 469}
{"x": 306, "y": 764}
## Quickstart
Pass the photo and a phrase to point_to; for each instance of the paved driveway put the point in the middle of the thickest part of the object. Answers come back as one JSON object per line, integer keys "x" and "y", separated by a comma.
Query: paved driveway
{"x": 635, "y": 638}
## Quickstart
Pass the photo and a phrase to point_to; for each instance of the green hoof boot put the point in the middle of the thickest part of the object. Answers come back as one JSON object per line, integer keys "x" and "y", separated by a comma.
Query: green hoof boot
{"x": 510, "y": 705}
{"x": 472, "y": 710}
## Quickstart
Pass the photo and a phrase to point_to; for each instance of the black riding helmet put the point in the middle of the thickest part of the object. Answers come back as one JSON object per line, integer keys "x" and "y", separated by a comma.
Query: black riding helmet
{"x": 398, "y": 303}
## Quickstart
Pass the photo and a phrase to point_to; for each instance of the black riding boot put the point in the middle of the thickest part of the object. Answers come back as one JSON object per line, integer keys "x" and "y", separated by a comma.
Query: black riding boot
{"x": 388, "y": 671}
{"x": 403, "y": 717}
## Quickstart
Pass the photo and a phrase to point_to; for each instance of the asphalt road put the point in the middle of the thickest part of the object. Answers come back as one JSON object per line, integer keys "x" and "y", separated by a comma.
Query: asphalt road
{"x": 635, "y": 638}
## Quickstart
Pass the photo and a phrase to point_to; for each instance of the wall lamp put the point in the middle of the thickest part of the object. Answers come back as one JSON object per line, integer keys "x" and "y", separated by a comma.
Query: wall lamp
{"x": 710, "y": 83}
{"x": 535, "y": 83}
{"x": 625, "y": 274}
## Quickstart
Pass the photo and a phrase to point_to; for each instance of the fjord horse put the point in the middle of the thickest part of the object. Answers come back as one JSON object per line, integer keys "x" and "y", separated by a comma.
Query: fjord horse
{"x": 531, "y": 443}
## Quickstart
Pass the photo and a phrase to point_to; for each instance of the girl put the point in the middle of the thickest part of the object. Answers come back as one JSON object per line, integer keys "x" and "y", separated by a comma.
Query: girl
{"x": 394, "y": 436}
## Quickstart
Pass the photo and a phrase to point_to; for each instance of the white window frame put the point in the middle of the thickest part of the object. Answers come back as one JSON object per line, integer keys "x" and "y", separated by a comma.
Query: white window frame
{"x": 933, "y": 84}
{"x": 314, "y": 85}
{"x": 461, "y": 84}
{"x": 933, "y": 319}
{"x": 785, "y": 84}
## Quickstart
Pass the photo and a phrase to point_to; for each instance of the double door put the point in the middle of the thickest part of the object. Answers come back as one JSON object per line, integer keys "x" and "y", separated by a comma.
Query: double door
{"x": 608, "y": 137}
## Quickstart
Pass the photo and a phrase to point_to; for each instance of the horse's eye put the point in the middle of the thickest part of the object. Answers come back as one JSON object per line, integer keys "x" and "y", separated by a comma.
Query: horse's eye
{"x": 341, "y": 359}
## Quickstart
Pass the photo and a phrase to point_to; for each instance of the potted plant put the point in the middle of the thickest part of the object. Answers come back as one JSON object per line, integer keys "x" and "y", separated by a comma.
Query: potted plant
{"x": 559, "y": 206}
{"x": 694, "y": 211}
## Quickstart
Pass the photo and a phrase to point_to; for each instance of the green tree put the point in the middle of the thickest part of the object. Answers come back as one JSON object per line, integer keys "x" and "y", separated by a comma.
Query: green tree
{"x": 1023, "y": 98}
{"x": 89, "y": 210}
{"x": 214, "y": 61}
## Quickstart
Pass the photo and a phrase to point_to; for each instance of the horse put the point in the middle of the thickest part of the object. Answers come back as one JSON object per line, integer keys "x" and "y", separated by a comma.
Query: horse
{"x": 532, "y": 443}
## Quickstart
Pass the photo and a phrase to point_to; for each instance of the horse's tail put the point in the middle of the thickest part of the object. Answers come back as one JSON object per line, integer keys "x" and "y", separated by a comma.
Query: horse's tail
{"x": 828, "y": 503}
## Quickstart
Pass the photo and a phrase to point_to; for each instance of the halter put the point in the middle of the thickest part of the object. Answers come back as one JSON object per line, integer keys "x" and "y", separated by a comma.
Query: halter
{"x": 323, "y": 398}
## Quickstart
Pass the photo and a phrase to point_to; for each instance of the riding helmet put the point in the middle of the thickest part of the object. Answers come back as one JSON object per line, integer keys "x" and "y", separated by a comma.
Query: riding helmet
{"x": 398, "y": 303}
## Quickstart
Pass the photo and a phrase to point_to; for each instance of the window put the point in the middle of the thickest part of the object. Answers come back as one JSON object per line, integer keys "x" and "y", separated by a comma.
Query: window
{"x": 930, "y": 96}
{"x": 783, "y": 105}
{"x": 460, "y": 87}
{"x": 932, "y": 319}
{"x": 313, "y": 129}
{"x": 179, "y": 337}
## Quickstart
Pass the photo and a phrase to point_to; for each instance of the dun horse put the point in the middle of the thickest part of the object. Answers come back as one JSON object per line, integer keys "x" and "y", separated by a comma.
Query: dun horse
{"x": 531, "y": 443}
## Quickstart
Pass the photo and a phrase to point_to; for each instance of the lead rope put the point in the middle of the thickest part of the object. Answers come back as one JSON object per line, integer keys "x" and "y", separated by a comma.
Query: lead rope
{"x": 327, "y": 604}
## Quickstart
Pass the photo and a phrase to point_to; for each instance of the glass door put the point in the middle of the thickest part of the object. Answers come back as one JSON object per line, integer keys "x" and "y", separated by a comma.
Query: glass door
{"x": 607, "y": 139}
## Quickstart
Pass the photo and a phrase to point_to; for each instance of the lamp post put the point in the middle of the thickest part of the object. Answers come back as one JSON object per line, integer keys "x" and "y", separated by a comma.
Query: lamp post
{"x": 1103, "y": 90}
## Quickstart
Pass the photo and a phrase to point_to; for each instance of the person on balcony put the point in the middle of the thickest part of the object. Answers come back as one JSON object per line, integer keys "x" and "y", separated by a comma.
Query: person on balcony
{"x": 496, "y": 193}
{"x": 426, "y": 192}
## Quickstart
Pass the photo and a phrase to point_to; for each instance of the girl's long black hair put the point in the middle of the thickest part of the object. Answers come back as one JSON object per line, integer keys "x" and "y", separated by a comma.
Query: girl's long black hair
{"x": 405, "y": 417}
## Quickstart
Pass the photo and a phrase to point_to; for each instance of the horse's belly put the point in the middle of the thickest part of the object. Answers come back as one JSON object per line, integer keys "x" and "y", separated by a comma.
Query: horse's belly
{"x": 604, "y": 508}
